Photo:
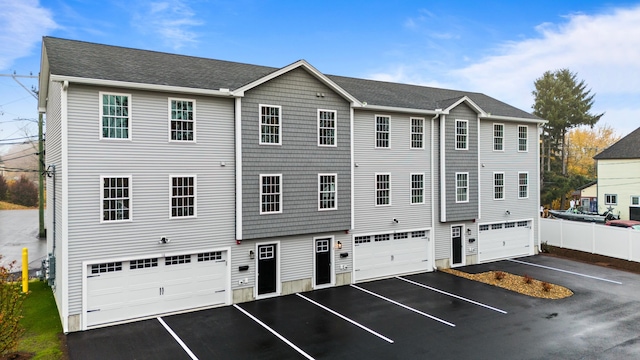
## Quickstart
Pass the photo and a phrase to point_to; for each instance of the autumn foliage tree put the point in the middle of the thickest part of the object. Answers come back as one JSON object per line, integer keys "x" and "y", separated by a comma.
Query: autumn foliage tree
{"x": 583, "y": 144}
{"x": 23, "y": 192}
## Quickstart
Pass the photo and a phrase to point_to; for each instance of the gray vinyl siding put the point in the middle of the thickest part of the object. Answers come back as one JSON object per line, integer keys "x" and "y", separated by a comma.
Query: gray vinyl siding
{"x": 296, "y": 257}
{"x": 400, "y": 161}
{"x": 299, "y": 159}
{"x": 53, "y": 156}
{"x": 150, "y": 159}
{"x": 510, "y": 162}
{"x": 461, "y": 161}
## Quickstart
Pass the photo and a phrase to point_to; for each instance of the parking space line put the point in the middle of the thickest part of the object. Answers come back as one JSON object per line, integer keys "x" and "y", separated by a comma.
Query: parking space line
{"x": 177, "y": 338}
{"x": 452, "y": 295}
{"x": 347, "y": 319}
{"x": 404, "y": 306}
{"x": 565, "y": 271}
{"x": 273, "y": 332}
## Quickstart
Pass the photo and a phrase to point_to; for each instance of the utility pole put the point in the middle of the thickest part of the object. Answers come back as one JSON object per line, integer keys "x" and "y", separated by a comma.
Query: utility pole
{"x": 34, "y": 93}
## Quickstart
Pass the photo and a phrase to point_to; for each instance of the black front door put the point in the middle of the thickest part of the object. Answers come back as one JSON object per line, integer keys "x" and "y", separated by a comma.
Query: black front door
{"x": 323, "y": 261}
{"x": 267, "y": 269}
{"x": 456, "y": 241}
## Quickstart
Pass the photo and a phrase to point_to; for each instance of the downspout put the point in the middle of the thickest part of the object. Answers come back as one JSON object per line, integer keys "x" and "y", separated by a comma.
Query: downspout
{"x": 433, "y": 196}
{"x": 539, "y": 186}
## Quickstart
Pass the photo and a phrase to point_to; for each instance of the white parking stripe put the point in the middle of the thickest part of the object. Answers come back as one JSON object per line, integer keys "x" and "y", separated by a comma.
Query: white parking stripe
{"x": 450, "y": 294}
{"x": 273, "y": 332}
{"x": 175, "y": 336}
{"x": 404, "y": 306}
{"x": 347, "y": 319}
{"x": 566, "y": 271}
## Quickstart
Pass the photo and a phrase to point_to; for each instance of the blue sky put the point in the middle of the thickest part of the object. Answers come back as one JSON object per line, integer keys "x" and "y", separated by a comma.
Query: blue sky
{"x": 495, "y": 47}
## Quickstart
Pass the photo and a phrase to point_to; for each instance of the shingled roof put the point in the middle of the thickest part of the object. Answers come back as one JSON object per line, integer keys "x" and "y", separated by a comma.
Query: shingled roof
{"x": 104, "y": 62}
{"x": 626, "y": 148}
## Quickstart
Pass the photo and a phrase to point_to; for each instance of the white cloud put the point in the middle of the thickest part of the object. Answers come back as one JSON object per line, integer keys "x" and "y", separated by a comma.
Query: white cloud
{"x": 24, "y": 23}
{"x": 171, "y": 19}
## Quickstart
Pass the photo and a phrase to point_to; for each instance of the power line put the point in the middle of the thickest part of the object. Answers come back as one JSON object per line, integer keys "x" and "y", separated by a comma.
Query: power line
{"x": 21, "y": 138}
{"x": 19, "y": 157}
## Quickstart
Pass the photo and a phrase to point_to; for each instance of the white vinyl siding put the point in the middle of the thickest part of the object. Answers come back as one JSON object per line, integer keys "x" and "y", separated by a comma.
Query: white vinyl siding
{"x": 417, "y": 133}
{"x": 116, "y": 198}
{"x": 523, "y": 145}
{"x": 383, "y": 129}
{"x": 327, "y": 192}
{"x": 383, "y": 189}
{"x": 498, "y": 186}
{"x": 270, "y": 125}
{"x": 182, "y": 120}
{"x": 498, "y": 137}
{"x": 462, "y": 187}
{"x": 270, "y": 193}
{"x": 327, "y": 128}
{"x": 183, "y": 196}
{"x": 115, "y": 116}
{"x": 523, "y": 185}
{"x": 417, "y": 188}
{"x": 462, "y": 133}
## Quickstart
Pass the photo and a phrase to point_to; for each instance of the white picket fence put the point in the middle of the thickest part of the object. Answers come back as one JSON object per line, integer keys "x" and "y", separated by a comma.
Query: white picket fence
{"x": 594, "y": 238}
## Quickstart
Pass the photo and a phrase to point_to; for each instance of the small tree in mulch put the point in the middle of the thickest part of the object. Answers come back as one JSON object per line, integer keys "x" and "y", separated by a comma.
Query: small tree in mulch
{"x": 499, "y": 275}
{"x": 11, "y": 298}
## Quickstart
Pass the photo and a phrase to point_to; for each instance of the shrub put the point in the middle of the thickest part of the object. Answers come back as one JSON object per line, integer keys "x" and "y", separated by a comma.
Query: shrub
{"x": 11, "y": 299}
{"x": 4, "y": 188}
{"x": 546, "y": 287}
{"x": 499, "y": 275}
{"x": 23, "y": 192}
{"x": 527, "y": 279}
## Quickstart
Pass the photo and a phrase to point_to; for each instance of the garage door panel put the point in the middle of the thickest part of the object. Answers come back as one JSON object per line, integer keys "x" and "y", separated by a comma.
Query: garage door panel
{"x": 504, "y": 240}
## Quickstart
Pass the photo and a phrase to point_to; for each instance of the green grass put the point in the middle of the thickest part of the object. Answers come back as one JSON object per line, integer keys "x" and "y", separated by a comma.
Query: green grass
{"x": 41, "y": 323}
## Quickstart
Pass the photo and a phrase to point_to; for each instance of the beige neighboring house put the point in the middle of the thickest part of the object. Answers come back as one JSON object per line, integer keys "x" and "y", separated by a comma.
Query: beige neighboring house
{"x": 618, "y": 169}
{"x": 587, "y": 196}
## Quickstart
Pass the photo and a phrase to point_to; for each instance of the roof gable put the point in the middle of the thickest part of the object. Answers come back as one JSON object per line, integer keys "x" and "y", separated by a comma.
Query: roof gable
{"x": 626, "y": 148}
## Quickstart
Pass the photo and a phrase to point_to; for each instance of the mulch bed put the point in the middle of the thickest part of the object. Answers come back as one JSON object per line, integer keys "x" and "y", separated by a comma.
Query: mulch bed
{"x": 596, "y": 259}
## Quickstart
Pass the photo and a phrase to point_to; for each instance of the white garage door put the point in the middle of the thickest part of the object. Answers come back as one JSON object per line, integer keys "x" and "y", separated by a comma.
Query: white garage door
{"x": 504, "y": 240}
{"x": 385, "y": 255}
{"x": 130, "y": 289}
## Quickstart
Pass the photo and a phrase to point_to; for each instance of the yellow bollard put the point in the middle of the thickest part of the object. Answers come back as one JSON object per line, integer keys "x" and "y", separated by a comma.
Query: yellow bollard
{"x": 25, "y": 270}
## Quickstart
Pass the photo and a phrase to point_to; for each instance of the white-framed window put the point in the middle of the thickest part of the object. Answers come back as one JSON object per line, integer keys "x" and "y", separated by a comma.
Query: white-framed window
{"x": 183, "y": 196}
{"x": 327, "y": 192}
{"x": 383, "y": 189}
{"x": 610, "y": 199}
{"x": 522, "y": 138}
{"x": 498, "y": 137}
{"x": 417, "y": 188}
{"x": 327, "y": 127}
{"x": 462, "y": 132}
{"x": 270, "y": 193}
{"x": 383, "y": 129}
{"x": 462, "y": 187}
{"x": 635, "y": 200}
{"x": 270, "y": 125}
{"x": 115, "y": 116}
{"x": 417, "y": 133}
{"x": 182, "y": 120}
{"x": 498, "y": 186}
{"x": 115, "y": 198}
{"x": 523, "y": 185}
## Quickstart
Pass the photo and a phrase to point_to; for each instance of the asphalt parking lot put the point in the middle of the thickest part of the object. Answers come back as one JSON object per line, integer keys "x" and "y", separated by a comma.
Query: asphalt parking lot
{"x": 410, "y": 317}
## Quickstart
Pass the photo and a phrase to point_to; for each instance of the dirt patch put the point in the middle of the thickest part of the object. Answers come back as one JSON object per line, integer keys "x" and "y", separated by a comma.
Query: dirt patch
{"x": 521, "y": 284}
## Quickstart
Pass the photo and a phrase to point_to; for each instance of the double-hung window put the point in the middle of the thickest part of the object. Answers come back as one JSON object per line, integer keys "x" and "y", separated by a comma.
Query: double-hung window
{"x": 498, "y": 137}
{"x": 462, "y": 187}
{"x": 522, "y": 138}
{"x": 523, "y": 185}
{"x": 326, "y": 128}
{"x": 383, "y": 128}
{"x": 115, "y": 118}
{"x": 183, "y": 196}
{"x": 182, "y": 120}
{"x": 417, "y": 188}
{"x": 383, "y": 189}
{"x": 327, "y": 193}
{"x": 610, "y": 199}
{"x": 635, "y": 200}
{"x": 498, "y": 186}
{"x": 270, "y": 125}
{"x": 116, "y": 198}
{"x": 462, "y": 133}
{"x": 270, "y": 193}
{"x": 417, "y": 133}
